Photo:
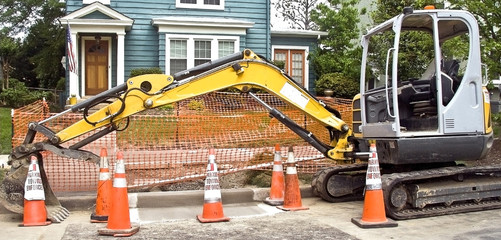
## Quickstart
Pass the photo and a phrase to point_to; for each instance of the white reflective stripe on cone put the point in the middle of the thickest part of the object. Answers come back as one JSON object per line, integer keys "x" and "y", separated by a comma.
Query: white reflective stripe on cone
{"x": 212, "y": 196}
{"x": 277, "y": 167}
{"x": 119, "y": 183}
{"x": 103, "y": 176}
{"x": 291, "y": 170}
{"x": 120, "y": 167}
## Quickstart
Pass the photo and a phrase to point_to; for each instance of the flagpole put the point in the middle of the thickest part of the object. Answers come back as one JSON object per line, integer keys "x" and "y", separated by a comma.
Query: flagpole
{"x": 72, "y": 61}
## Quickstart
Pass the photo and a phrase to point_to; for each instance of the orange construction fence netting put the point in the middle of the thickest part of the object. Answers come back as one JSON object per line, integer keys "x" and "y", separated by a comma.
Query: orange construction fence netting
{"x": 170, "y": 144}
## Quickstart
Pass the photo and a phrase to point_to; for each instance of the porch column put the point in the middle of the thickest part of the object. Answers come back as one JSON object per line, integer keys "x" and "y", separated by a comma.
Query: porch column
{"x": 74, "y": 83}
{"x": 120, "y": 58}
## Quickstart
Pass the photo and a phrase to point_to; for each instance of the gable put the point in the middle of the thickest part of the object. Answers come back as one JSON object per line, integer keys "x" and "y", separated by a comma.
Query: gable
{"x": 96, "y": 15}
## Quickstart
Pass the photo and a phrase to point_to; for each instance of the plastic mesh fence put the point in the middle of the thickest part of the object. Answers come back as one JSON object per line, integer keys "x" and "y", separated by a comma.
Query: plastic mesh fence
{"x": 170, "y": 144}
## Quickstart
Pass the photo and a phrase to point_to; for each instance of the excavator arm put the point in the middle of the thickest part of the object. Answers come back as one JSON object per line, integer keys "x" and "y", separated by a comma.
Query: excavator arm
{"x": 245, "y": 71}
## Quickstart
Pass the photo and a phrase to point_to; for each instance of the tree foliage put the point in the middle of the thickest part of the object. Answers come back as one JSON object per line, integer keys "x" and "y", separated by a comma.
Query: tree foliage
{"x": 488, "y": 14}
{"x": 386, "y": 9}
{"x": 44, "y": 45}
{"x": 296, "y": 13}
{"x": 338, "y": 53}
{"x": 17, "y": 15}
{"x": 32, "y": 41}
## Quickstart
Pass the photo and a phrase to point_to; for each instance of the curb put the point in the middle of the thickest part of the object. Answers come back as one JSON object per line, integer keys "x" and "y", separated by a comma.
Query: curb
{"x": 87, "y": 201}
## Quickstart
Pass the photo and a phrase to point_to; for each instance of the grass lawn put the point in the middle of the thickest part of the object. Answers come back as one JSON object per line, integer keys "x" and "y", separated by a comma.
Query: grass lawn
{"x": 5, "y": 131}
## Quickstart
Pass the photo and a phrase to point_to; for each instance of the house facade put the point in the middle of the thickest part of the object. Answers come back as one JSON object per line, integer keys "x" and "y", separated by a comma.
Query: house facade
{"x": 112, "y": 37}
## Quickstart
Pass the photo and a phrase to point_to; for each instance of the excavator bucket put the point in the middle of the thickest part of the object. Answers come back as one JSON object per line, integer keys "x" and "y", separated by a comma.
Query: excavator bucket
{"x": 12, "y": 190}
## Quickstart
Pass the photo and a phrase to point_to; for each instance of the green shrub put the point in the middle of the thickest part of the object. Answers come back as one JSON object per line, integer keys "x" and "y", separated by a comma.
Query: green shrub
{"x": 142, "y": 71}
{"x": 198, "y": 105}
{"x": 61, "y": 84}
{"x": 280, "y": 64}
{"x": 18, "y": 95}
{"x": 169, "y": 108}
{"x": 342, "y": 86}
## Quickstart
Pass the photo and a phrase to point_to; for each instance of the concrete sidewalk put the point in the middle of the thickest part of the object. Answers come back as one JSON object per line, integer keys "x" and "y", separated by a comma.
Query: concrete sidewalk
{"x": 172, "y": 215}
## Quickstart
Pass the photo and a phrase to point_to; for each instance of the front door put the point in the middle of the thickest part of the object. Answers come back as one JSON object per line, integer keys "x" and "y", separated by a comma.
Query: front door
{"x": 96, "y": 66}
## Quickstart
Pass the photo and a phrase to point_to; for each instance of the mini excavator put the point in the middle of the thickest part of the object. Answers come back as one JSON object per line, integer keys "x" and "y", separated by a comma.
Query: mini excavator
{"x": 427, "y": 121}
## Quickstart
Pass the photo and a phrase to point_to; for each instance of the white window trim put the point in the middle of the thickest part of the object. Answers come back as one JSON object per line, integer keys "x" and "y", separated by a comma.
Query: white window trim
{"x": 190, "y": 46}
{"x": 306, "y": 61}
{"x": 107, "y": 2}
{"x": 200, "y": 5}
{"x": 110, "y": 60}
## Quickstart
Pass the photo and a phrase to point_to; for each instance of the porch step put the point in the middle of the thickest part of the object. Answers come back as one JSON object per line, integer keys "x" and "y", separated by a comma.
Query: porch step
{"x": 91, "y": 110}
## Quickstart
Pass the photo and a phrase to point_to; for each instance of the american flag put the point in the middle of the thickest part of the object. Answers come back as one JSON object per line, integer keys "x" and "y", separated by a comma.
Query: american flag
{"x": 71, "y": 57}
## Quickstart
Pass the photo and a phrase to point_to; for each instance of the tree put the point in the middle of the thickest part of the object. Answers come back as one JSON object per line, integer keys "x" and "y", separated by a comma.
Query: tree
{"x": 296, "y": 13}
{"x": 44, "y": 45}
{"x": 8, "y": 49}
{"x": 340, "y": 19}
{"x": 33, "y": 26}
{"x": 488, "y": 16}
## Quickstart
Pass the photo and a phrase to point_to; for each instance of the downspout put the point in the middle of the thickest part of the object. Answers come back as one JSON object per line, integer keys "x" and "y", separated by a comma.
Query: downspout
{"x": 268, "y": 34}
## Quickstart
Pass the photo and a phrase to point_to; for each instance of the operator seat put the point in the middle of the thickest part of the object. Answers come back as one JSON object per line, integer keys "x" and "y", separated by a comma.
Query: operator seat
{"x": 450, "y": 81}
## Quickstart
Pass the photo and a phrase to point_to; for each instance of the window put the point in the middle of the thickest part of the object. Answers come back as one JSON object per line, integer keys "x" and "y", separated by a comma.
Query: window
{"x": 178, "y": 55}
{"x": 203, "y": 4}
{"x": 186, "y": 51}
{"x": 294, "y": 63}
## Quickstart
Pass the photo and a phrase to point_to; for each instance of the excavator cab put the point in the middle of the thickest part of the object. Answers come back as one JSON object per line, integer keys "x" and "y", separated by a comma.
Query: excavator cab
{"x": 421, "y": 88}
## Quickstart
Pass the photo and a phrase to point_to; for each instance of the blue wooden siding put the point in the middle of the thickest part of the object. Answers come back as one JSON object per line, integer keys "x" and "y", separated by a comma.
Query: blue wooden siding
{"x": 145, "y": 47}
{"x": 311, "y": 43}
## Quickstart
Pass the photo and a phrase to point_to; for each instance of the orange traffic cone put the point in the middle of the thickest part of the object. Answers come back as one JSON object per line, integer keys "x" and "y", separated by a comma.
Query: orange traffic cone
{"x": 104, "y": 188}
{"x": 277, "y": 181}
{"x": 119, "y": 218}
{"x": 34, "y": 213}
{"x": 292, "y": 198}
{"x": 373, "y": 215}
{"x": 213, "y": 207}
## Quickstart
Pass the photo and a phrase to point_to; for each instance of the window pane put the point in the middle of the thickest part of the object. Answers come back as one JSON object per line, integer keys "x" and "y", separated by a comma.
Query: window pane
{"x": 297, "y": 67}
{"x": 177, "y": 65}
{"x": 202, "y": 51}
{"x": 178, "y": 48}
{"x": 211, "y": 2}
{"x": 178, "y": 56}
{"x": 189, "y": 1}
{"x": 279, "y": 56}
{"x": 226, "y": 48}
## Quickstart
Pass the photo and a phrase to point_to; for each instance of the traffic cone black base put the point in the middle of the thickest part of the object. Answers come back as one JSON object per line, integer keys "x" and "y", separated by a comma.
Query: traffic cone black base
{"x": 273, "y": 202}
{"x": 119, "y": 232}
{"x": 98, "y": 218}
{"x": 362, "y": 224}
